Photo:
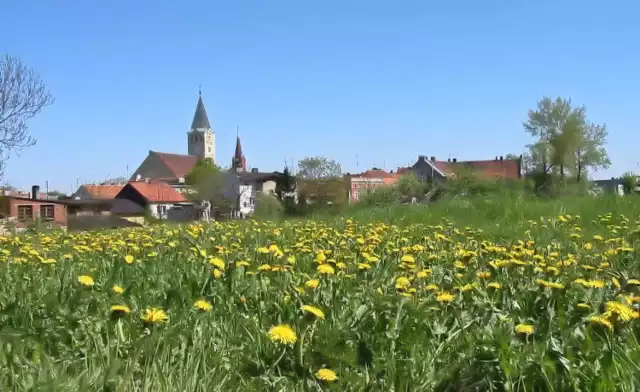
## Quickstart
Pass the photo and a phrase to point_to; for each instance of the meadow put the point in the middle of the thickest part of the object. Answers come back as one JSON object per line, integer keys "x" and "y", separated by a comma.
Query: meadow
{"x": 492, "y": 294}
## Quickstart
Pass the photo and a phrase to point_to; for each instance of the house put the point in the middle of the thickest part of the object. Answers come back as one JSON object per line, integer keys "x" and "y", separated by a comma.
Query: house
{"x": 159, "y": 199}
{"x": 96, "y": 192}
{"x": 362, "y": 183}
{"x": 498, "y": 168}
{"x": 25, "y": 210}
{"x": 86, "y": 214}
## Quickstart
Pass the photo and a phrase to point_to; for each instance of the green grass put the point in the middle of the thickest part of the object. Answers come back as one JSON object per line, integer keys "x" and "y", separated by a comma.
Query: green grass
{"x": 378, "y": 335}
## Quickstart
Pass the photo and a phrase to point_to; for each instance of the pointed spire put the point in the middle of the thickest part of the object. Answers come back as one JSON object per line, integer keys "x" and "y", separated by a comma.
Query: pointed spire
{"x": 200, "y": 118}
{"x": 238, "y": 162}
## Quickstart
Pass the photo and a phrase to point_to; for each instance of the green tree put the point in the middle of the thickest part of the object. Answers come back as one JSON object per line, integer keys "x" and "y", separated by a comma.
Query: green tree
{"x": 22, "y": 96}
{"x": 566, "y": 143}
{"x": 589, "y": 151}
{"x": 207, "y": 181}
{"x": 285, "y": 185}
{"x": 315, "y": 168}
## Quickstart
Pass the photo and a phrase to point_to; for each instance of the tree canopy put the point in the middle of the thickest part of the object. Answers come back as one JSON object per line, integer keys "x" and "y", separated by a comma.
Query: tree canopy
{"x": 565, "y": 142}
{"x": 22, "y": 97}
{"x": 315, "y": 168}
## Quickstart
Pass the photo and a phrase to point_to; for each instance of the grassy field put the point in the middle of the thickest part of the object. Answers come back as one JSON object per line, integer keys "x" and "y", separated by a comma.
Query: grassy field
{"x": 493, "y": 294}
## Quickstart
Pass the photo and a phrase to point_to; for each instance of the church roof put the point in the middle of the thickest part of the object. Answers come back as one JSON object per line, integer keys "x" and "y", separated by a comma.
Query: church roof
{"x": 238, "y": 155}
{"x": 200, "y": 118}
{"x": 180, "y": 165}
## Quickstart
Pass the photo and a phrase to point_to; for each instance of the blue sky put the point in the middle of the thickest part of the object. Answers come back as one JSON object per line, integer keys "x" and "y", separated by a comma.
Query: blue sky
{"x": 383, "y": 81}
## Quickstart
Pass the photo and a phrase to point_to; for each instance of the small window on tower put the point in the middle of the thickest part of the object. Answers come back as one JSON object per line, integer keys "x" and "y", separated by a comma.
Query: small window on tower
{"x": 208, "y": 148}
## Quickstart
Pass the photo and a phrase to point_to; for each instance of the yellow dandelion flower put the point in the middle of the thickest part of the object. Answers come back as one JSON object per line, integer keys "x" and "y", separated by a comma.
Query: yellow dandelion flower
{"x": 86, "y": 280}
{"x": 524, "y": 329}
{"x": 494, "y": 285}
{"x": 202, "y": 305}
{"x": 317, "y": 312}
{"x": 129, "y": 259}
{"x": 117, "y": 289}
{"x": 624, "y": 312}
{"x": 48, "y": 261}
{"x": 402, "y": 283}
{"x": 120, "y": 309}
{"x": 601, "y": 320}
{"x": 217, "y": 273}
{"x": 154, "y": 316}
{"x": 217, "y": 262}
{"x": 408, "y": 259}
{"x": 326, "y": 269}
{"x": 312, "y": 283}
{"x": 283, "y": 334}
{"x": 326, "y": 375}
{"x": 444, "y": 297}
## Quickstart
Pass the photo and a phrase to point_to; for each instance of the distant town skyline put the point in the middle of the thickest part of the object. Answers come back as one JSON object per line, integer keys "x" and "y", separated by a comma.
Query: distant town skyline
{"x": 365, "y": 83}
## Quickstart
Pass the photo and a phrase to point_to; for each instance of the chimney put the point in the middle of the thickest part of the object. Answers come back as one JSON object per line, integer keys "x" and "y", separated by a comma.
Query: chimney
{"x": 254, "y": 170}
{"x": 433, "y": 159}
{"x": 455, "y": 160}
{"x": 448, "y": 159}
{"x": 422, "y": 157}
{"x": 496, "y": 158}
{"x": 35, "y": 192}
{"x": 501, "y": 157}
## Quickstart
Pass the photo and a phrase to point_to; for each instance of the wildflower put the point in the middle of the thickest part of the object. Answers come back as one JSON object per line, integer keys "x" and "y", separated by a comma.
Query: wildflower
{"x": 326, "y": 375}
{"x": 444, "y": 297}
{"x": 48, "y": 261}
{"x": 624, "y": 312}
{"x": 551, "y": 285}
{"x": 601, "y": 320}
{"x": 120, "y": 310}
{"x": 524, "y": 329}
{"x": 117, "y": 289}
{"x": 494, "y": 285}
{"x": 408, "y": 259}
{"x": 326, "y": 269}
{"x": 402, "y": 283}
{"x": 217, "y": 273}
{"x": 86, "y": 280}
{"x": 129, "y": 259}
{"x": 217, "y": 262}
{"x": 283, "y": 334}
{"x": 312, "y": 284}
{"x": 483, "y": 274}
{"x": 203, "y": 306}
{"x": 364, "y": 266}
{"x": 154, "y": 315}
{"x": 313, "y": 311}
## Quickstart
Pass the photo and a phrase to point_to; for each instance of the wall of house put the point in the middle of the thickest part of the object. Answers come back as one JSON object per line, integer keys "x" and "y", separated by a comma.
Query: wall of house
{"x": 269, "y": 187}
{"x": 360, "y": 185}
{"x": 152, "y": 167}
{"x": 59, "y": 210}
{"x": 175, "y": 212}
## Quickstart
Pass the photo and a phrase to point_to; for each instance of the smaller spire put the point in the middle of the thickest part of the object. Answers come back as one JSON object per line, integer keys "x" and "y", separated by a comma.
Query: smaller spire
{"x": 238, "y": 162}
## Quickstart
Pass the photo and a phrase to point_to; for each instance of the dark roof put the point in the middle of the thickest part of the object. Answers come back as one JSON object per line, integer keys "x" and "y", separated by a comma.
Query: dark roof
{"x": 505, "y": 168}
{"x": 200, "y": 119}
{"x": 258, "y": 176}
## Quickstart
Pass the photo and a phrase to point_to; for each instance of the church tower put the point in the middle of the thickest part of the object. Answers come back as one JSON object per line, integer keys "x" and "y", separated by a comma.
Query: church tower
{"x": 201, "y": 139}
{"x": 238, "y": 163}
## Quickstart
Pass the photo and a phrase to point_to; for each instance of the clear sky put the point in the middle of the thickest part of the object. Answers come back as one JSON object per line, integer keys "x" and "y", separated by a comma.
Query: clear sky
{"x": 363, "y": 82}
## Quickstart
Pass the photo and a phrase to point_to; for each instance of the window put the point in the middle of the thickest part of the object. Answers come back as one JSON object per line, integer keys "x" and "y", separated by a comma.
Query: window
{"x": 25, "y": 213}
{"x": 208, "y": 148}
{"x": 162, "y": 210}
{"x": 47, "y": 212}
{"x": 252, "y": 200}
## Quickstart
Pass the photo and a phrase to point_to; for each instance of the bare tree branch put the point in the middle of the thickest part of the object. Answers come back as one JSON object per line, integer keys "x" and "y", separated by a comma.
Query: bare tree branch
{"x": 22, "y": 97}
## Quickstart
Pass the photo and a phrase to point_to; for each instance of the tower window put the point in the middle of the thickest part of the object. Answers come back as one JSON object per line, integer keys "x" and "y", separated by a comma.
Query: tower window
{"x": 208, "y": 148}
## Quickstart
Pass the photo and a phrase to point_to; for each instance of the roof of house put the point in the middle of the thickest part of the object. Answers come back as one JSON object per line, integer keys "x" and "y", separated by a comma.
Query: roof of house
{"x": 103, "y": 191}
{"x": 200, "y": 118}
{"x": 157, "y": 192}
{"x": 506, "y": 168}
{"x": 180, "y": 165}
{"x": 252, "y": 176}
{"x": 374, "y": 173}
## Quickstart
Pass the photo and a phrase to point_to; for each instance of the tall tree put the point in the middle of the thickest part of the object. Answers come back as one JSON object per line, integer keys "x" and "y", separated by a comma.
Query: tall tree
{"x": 22, "y": 97}
{"x": 285, "y": 185}
{"x": 565, "y": 139}
{"x": 315, "y": 168}
{"x": 545, "y": 123}
{"x": 589, "y": 151}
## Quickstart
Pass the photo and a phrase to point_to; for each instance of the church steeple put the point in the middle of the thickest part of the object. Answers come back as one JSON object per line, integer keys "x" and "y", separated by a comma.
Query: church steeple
{"x": 200, "y": 118}
{"x": 201, "y": 140}
{"x": 238, "y": 163}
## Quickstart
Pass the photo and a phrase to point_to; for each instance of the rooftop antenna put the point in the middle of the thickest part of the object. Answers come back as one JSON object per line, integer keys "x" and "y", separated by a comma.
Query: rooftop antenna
{"x": 237, "y": 130}
{"x": 357, "y": 162}
{"x": 200, "y": 89}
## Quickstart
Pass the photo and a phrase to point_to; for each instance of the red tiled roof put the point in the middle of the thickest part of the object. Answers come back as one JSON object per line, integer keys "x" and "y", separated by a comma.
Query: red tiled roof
{"x": 180, "y": 165}
{"x": 103, "y": 191}
{"x": 403, "y": 170}
{"x": 374, "y": 173}
{"x": 157, "y": 192}
{"x": 507, "y": 168}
